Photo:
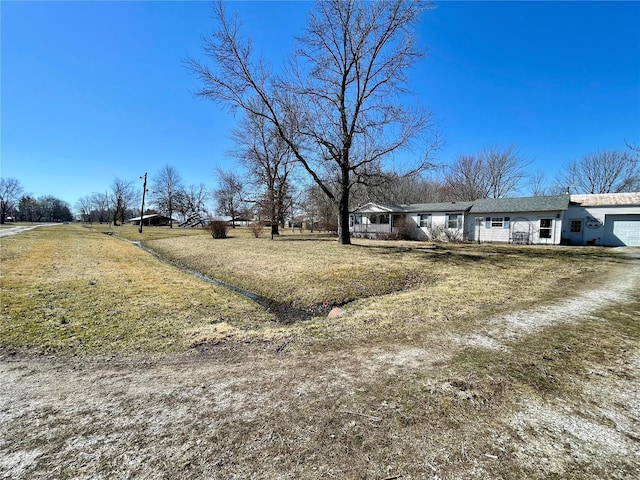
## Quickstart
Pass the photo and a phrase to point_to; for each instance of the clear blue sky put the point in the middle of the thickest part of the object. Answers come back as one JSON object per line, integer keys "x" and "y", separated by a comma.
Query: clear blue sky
{"x": 97, "y": 90}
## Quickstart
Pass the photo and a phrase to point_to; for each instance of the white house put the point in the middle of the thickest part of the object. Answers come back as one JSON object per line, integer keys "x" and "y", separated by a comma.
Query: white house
{"x": 607, "y": 219}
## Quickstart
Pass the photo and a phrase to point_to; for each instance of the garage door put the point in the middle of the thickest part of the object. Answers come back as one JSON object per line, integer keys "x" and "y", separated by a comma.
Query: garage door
{"x": 622, "y": 230}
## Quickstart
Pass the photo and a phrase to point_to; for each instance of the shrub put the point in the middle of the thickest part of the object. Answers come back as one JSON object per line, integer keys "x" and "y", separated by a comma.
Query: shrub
{"x": 218, "y": 228}
{"x": 405, "y": 230}
{"x": 256, "y": 228}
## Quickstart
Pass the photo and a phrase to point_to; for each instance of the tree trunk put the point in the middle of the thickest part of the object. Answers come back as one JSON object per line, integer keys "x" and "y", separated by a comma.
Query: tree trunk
{"x": 344, "y": 237}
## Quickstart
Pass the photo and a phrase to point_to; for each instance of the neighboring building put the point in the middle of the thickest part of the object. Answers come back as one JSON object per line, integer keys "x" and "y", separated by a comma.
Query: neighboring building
{"x": 610, "y": 219}
{"x": 153, "y": 220}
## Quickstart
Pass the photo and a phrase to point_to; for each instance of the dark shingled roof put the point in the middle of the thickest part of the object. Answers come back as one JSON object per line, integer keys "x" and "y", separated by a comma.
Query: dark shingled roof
{"x": 437, "y": 207}
{"x": 522, "y": 204}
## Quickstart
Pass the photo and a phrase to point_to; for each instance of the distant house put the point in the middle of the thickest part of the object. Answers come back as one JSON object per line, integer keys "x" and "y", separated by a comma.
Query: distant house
{"x": 152, "y": 220}
{"x": 612, "y": 219}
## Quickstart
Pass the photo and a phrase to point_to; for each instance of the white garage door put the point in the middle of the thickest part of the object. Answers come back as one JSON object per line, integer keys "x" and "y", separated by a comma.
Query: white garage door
{"x": 622, "y": 230}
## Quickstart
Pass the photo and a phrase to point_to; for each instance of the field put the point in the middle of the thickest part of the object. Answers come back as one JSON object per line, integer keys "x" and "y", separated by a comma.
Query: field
{"x": 449, "y": 361}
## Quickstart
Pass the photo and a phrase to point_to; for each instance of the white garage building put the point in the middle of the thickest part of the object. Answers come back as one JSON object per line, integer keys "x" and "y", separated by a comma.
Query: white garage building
{"x": 603, "y": 219}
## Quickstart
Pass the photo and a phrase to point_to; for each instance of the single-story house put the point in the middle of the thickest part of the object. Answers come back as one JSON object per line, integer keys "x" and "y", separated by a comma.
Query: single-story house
{"x": 153, "y": 220}
{"x": 611, "y": 219}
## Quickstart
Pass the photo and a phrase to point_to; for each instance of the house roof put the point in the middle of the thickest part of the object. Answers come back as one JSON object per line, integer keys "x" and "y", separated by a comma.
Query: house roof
{"x": 437, "y": 207}
{"x": 606, "y": 199}
{"x": 521, "y": 204}
{"x": 414, "y": 207}
{"x": 553, "y": 203}
{"x": 146, "y": 217}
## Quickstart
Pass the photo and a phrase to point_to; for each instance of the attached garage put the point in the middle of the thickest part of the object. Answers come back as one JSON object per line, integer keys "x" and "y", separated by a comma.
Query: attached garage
{"x": 622, "y": 230}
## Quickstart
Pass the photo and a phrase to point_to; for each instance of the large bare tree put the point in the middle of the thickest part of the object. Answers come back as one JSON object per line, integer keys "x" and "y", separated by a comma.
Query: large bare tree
{"x": 10, "y": 193}
{"x": 166, "y": 188}
{"x": 338, "y": 105}
{"x": 605, "y": 171}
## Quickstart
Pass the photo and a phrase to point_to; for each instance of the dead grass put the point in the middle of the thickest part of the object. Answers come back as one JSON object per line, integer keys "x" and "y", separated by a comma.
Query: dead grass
{"x": 72, "y": 290}
{"x": 384, "y": 391}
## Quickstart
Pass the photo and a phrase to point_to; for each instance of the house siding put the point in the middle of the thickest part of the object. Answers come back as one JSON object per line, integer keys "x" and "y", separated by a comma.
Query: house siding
{"x": 521, "y": 227}
{"x": 593, "y": 220}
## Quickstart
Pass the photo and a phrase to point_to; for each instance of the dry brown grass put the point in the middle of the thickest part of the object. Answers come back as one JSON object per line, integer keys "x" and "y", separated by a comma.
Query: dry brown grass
{"x": 381, "y": 392}
{"x": 72, "y": 290}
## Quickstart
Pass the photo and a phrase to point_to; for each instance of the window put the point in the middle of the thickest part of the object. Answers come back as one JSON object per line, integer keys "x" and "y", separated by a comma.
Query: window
{"x": 357, "y": 219}
{"x": 545, "y": 227}
{"x": 497, "y": 222}
{"x": 454, "y": 220}
{"x": 425, "y": 220}
{"x": 576, "y": 226}
{"x": 384, "y": 218}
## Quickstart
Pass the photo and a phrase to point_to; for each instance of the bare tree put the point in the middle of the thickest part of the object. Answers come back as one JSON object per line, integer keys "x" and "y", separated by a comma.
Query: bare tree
{"x": 229, "y": 196}
{"x": 493, "y": 173}
{"x": 122, "y": 199}
{"x": 270, "y": 164}
{"x": 10, "y": 192}
{"x": 166, "y": 187}
{"x": 537, "y": 184}
{"x": 467, "y": 178}
{"x": 340, "y": 95}
{"x": 192, "y": 200}
{"x": 605, "y": 171}
{"x": 84, "y": 206}
{"x": 505, "y": 170}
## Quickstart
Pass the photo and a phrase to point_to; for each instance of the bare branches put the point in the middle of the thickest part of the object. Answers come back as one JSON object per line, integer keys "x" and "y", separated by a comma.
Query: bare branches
{"x": 605, "y": 171}
{"x": 337, "y": 106}
{"x": 493, "y": 173}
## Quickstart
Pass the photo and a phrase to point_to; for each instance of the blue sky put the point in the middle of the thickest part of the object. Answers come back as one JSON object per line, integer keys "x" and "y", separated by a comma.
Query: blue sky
{"x": 97, "y": 90}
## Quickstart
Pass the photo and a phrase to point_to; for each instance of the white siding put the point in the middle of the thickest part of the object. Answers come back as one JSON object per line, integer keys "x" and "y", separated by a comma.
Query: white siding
{"x": 593, "y": 221}
{"x": 519, "y": 228}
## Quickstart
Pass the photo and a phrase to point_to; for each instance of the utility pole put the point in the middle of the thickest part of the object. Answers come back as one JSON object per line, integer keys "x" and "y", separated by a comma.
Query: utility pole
{"x": 144, "y": 190}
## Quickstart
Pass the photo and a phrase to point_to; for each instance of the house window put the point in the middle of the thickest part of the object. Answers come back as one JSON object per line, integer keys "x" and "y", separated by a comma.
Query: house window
{"x": 425, "y": 220}
{"x": 545, "y": 227}
{"x": 497, "y": 222}
{"x": 357, "y": 219}
{"x": 454, "y": 220}
{"x": 576, "y": 226}
{"x": 384, "y": 218}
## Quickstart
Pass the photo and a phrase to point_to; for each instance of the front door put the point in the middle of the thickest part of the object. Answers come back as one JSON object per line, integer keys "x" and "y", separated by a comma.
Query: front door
{"x": 576, "y": 231}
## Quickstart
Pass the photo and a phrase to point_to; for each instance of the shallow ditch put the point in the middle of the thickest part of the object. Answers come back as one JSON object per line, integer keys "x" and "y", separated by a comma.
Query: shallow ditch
{"x": 283, "y": 312}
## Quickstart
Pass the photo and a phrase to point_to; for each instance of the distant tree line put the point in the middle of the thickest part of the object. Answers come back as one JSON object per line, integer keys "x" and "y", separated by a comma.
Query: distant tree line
{"x": 20, "y": 207}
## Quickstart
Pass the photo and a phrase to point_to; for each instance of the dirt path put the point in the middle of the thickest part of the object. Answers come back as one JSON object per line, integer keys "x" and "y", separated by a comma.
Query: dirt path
{"x": 514, "y": 326}
{"x": 8, "y": 231}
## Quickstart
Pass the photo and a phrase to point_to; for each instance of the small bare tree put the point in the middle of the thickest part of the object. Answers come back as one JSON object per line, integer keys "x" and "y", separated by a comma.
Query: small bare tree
{"x": 10, "y": 192}
{"x": 270, "y": 164}
{"x": 605, "y": 171}
{"x": 166, "y": 187}
{"x": 337, "y": 106}
{"x": 123, "y": 197}
{"x": 229, "y": 196}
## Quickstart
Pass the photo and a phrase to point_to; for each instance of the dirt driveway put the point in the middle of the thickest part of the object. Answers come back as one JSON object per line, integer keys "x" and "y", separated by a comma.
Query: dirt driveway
{"x": 224, "y": 415}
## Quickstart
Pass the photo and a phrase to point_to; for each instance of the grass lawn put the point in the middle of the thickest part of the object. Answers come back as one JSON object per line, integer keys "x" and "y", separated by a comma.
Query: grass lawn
{"x": 391, "y": 389}
{"x": 69, "y": 289}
